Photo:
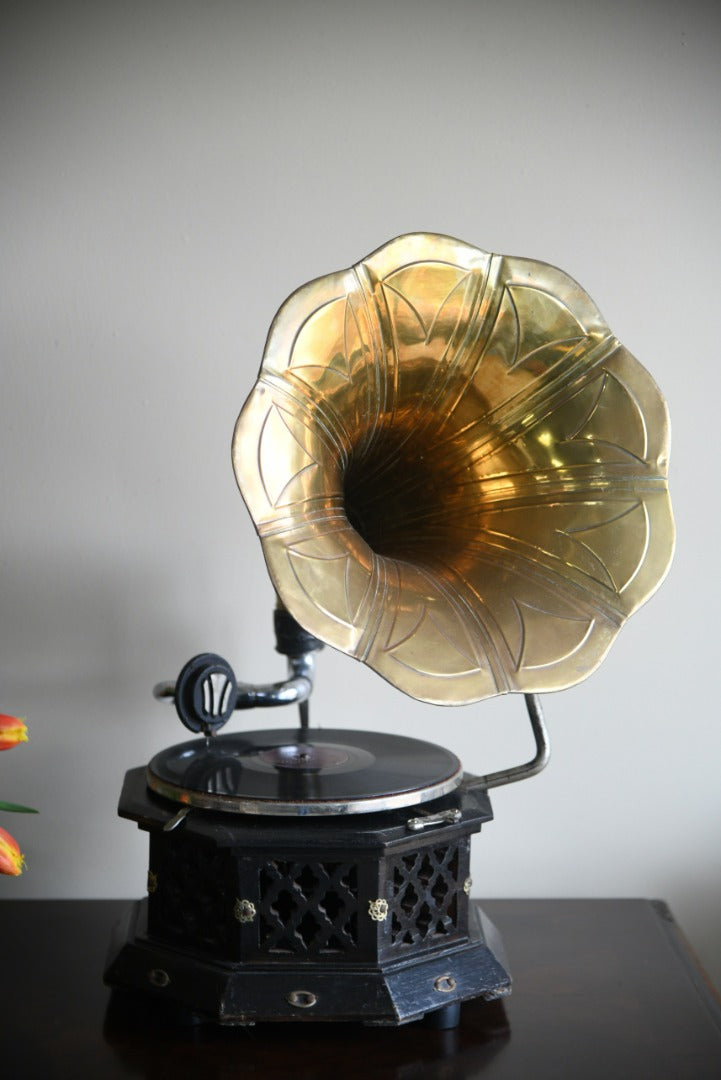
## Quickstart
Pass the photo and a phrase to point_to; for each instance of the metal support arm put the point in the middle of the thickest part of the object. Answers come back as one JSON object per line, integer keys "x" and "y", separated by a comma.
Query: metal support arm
{"x": 535, "y": 765}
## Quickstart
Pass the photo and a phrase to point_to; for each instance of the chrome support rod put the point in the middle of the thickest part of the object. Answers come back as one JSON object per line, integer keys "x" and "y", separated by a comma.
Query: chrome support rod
{"x": 291, "y": 691}
{"x": 165, "y": 691}
{"x": 532, "y": 767}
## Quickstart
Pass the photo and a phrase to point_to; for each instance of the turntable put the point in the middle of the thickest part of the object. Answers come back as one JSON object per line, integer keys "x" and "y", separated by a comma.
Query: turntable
{"x": 458, "y": 476}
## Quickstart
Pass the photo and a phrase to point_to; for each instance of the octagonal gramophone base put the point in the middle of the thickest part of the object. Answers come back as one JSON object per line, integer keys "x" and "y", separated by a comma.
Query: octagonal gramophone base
{"x": 237, "y": 994}
{"x": 361, "y": 917}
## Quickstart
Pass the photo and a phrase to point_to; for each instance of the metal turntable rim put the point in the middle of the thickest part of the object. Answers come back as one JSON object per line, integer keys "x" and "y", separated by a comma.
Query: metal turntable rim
{"x": 431, "y": 772}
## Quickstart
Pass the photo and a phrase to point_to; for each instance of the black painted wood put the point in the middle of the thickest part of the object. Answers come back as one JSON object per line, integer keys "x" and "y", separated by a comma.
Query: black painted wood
{"x": 303, "y": 918}
{"x": 602, "y": 989}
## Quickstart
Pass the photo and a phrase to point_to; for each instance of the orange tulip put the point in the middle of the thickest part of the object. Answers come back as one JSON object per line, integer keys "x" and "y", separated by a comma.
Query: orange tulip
{"x": 12, "y": 731}
{"x": 12, "y": 859}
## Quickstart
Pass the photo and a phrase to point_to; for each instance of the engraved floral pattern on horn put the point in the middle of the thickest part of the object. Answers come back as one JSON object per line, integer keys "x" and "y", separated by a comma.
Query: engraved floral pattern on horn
{"x": 457, "y": 473}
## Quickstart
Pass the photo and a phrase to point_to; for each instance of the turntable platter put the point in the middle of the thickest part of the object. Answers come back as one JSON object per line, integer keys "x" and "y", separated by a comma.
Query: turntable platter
{"x": 299, "y": 772}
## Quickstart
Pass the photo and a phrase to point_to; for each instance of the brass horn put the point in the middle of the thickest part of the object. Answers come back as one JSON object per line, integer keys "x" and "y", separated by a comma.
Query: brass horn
{"x": 457, "y": 472}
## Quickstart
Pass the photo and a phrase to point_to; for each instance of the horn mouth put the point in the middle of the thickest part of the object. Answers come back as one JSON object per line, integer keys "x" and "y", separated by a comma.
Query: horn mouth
{"x": 457, "y": 473}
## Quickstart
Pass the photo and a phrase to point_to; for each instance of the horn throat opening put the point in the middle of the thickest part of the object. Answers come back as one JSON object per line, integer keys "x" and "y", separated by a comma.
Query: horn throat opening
{"x": 406, "y": 500}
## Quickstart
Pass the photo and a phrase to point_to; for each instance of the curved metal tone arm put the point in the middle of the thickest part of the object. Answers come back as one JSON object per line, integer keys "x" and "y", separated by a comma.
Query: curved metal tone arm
{"x": 535, "y": 765}
{"x": 294, "y": 690}
{"x": 291, "y": 691}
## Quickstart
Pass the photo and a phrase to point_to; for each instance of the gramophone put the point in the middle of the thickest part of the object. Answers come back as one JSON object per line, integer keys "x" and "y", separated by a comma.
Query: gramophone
{"x": 458, "y": 477}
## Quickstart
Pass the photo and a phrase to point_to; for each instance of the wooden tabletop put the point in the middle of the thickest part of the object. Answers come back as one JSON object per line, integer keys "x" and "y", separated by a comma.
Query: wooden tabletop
{"x": 602, "y": 989}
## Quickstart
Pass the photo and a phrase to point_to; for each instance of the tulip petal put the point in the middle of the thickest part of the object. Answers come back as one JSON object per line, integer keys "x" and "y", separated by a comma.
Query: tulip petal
{"x": 13, "y": 730}
{"x": 12, "y": 859}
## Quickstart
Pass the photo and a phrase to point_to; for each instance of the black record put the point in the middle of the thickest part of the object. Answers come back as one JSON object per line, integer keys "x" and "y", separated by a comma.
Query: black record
{"x": 300, "y": 772}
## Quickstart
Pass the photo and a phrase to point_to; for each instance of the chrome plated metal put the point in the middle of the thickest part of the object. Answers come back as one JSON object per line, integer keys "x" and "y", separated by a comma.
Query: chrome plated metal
{"x": 292, "y": 691}
{"x": 302, "y": 999}
{"x": 165, "y": 691}
{"x": 176, "y": 819}
{"x": 532, "y": 767}
{"x": 457, "y": 472}
{"x": 159, "y": 977}
{"x": 446, "y": 817}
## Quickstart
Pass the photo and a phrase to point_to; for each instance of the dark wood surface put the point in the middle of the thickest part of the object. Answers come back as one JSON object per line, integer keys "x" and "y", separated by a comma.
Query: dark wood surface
{"x": 602, "y": 989}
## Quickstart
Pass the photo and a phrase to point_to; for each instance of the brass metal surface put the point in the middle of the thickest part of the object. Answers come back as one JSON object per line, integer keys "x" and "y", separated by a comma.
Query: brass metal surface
{"x": 378, "y": 909}
{"x": 244, "y": 910}
{"x": 457, "y": 472}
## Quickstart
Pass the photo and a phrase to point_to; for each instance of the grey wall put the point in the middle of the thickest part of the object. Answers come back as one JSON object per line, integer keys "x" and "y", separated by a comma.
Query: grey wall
{"x": 169, "y": 173}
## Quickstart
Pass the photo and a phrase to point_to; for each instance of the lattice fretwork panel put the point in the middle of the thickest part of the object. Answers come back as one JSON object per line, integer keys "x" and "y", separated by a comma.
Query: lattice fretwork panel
{"x": 192, "y": 894}
{"x": 308, "y": 908}
{"x": 425, "y": 896}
